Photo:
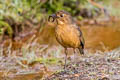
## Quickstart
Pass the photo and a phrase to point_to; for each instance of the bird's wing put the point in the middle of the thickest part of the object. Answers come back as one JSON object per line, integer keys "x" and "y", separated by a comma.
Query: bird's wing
{"x": 82, "y": 41}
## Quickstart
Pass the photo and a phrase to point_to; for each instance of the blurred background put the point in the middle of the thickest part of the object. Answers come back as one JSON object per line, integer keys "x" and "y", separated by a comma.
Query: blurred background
{"x": 27, "y": 39}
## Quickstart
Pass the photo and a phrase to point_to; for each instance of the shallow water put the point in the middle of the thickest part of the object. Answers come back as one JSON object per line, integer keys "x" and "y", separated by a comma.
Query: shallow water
{"x": 100, "y": 37}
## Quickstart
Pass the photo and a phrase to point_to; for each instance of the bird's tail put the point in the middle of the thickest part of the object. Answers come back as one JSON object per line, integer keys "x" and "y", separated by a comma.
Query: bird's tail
{"x": 81, "y": 50}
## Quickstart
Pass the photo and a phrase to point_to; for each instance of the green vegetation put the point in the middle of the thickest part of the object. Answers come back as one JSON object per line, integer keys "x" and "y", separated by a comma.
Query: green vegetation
{"x": 5, "y": 26}
{"x": 21, "y": 10}
{"x": 35, "y": 10}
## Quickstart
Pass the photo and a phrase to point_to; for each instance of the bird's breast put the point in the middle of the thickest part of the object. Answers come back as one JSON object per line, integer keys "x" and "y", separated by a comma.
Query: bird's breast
{"x": 67, "y": 36}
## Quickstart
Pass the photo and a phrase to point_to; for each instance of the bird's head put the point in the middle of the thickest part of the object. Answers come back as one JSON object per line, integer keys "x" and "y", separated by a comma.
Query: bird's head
{"x": 61, "y": 17}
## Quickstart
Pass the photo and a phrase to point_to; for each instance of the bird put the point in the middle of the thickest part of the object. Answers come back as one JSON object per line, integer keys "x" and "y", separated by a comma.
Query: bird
{"x": 67, "y": 32}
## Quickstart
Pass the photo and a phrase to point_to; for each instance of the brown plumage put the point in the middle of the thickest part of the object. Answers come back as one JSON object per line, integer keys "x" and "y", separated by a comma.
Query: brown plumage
{"x": 67, "y": 32}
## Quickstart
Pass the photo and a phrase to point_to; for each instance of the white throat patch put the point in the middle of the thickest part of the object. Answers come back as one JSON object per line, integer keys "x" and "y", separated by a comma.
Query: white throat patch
{"x": 60, "y": 22}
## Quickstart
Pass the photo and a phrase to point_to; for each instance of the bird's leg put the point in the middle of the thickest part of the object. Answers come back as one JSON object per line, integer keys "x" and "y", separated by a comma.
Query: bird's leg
{"x": 65, "y": 58}
{"x": 74, "y": 55}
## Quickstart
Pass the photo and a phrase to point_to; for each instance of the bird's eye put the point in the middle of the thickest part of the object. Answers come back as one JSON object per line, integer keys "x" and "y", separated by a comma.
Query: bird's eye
{"x": 61, "y": 15}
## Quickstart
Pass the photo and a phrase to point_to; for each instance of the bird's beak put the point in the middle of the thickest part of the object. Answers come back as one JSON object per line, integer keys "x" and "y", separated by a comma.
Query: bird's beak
{"x": 53, "y": 16}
